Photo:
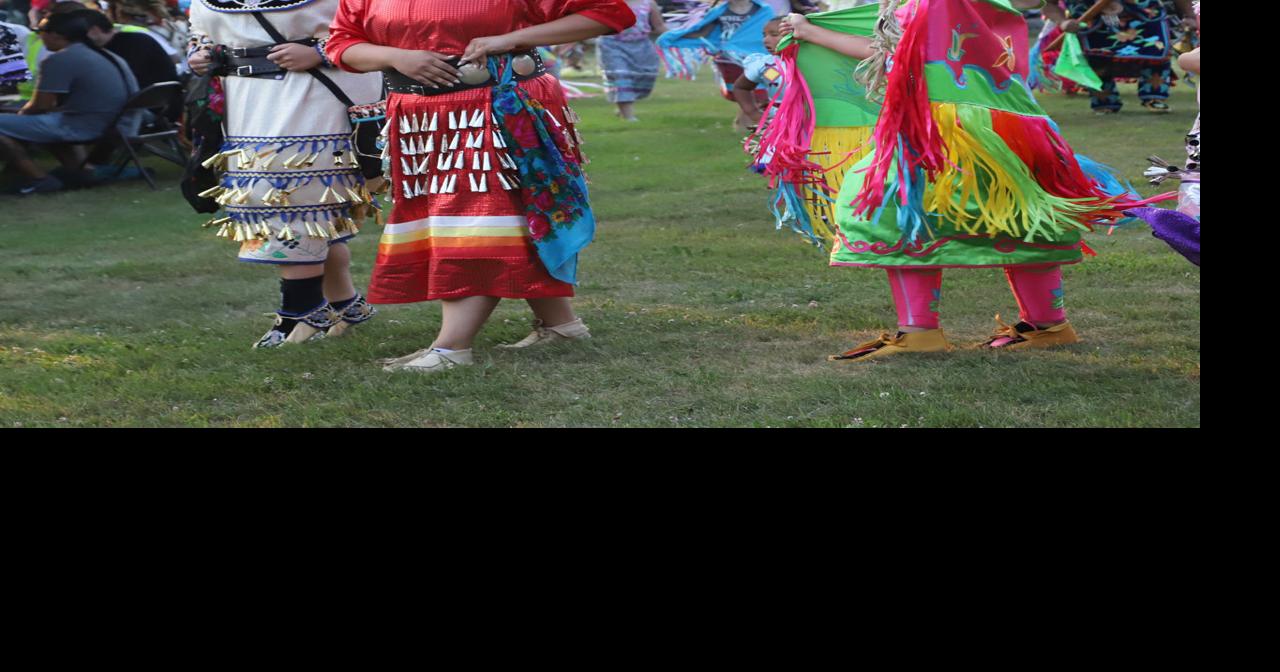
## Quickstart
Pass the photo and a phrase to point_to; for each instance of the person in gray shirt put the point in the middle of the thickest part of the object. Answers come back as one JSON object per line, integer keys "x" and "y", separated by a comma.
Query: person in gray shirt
{"x": 80, "y": 91}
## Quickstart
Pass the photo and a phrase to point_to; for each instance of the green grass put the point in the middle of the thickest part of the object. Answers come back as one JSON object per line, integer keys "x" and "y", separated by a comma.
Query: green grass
{"x": 117, "y": 309}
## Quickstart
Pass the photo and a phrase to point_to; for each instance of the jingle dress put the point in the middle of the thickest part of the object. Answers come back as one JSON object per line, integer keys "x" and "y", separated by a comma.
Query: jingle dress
{"x": 458, "y": 227}
{"x": 292, "y": 185}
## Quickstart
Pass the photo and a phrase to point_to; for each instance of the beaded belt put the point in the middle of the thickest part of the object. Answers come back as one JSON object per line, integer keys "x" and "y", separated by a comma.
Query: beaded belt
{"x": 526, "y": 64}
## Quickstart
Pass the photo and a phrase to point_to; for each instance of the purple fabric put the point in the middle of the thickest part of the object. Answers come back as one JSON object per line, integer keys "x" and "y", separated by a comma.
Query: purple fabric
{"x": 1180, "y": 231}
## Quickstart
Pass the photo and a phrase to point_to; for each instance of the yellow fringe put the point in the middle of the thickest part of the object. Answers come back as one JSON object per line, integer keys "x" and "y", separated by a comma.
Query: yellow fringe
{"x": 833, "y": 145}
{"x": 996, "y": 183}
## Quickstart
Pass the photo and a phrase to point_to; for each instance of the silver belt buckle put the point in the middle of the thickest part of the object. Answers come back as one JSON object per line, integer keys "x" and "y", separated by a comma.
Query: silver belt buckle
{"x": 244, "y": 71}
{"x": 524, "y": 65}
{"x": 472, "y": 74}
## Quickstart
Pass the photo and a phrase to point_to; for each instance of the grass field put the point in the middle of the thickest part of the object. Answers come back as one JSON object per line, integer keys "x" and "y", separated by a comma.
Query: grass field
{"x": 117, "y": 309}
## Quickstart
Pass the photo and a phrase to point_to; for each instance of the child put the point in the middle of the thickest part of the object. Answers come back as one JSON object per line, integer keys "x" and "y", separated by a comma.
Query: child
{"x": 968, "y": 172}
{"x": 629, "y": 61}
{"x": 728, "y": 33}
{"x": 758, "y": 70}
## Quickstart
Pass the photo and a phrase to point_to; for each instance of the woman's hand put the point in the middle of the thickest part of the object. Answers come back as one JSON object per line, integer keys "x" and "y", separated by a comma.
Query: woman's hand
{"x": 794, "y": 24}
{"x": 427, "y": 67}
{"x": 200, "y": 61}
{"x": 482, "y": 48}
{"x": 294, "y": 57}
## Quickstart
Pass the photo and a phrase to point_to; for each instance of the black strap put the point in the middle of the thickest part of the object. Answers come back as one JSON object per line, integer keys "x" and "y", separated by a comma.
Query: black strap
{"x": 314, "y": 72}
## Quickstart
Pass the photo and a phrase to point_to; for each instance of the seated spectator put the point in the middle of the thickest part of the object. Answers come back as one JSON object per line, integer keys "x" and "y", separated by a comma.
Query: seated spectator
{"x": 153, "y": 18}
{"x": 148, "y": 62}
{"x": 80, "y": 91}
{"x": 35, "y": 51}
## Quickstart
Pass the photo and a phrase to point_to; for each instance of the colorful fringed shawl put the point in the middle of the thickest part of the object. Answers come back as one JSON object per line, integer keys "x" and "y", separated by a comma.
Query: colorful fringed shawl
{"x": 683, "y": 55}
{"x": 821, "y": 128}
{"x": 963, "y": 138}
{"x": 553, "y": 189}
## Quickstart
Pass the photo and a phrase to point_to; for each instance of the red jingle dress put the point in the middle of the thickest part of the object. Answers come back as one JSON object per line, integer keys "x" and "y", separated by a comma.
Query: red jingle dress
{"x": 458, "y": 227}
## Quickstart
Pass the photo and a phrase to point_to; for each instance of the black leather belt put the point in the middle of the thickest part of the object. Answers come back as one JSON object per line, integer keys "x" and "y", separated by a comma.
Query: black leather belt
{"x": 526, "y": 64}
{"x": 253, "y": 62}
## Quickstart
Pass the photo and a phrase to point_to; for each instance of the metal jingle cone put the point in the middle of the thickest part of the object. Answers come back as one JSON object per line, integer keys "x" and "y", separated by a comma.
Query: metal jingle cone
{"x": 212, "y": 161}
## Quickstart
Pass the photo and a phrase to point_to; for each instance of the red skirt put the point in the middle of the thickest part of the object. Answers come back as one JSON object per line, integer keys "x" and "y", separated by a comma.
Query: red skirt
{"x": 458, "y": 227}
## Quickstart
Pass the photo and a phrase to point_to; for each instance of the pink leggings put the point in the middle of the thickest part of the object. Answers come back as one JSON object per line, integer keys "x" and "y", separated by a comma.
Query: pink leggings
{"x": 917, "y": 293}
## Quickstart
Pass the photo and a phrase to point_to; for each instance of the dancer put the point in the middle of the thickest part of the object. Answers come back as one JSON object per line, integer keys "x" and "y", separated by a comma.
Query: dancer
{"x": 490, "y": 202}
{"x": 1129, "y": 40}
{"x": 293, "y": 188}
{"x": 728, "y": 33}
{"x": 823, "y": 119}
{"x": 968, "y": 172}
{"x": 630, "y": 60}
{"x": 1180, "y": 228}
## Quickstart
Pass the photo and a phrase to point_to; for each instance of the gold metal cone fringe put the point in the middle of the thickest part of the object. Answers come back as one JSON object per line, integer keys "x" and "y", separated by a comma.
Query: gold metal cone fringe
{"x": 216, "y": 162}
